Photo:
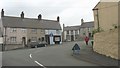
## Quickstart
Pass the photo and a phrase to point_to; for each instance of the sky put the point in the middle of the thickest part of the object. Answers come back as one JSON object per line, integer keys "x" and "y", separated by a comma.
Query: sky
{"x": 70, "y": 11}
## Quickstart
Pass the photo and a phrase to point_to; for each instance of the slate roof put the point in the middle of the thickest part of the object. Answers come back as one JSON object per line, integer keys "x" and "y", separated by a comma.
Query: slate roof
{"x": 87, "y": 25}
{"x": 18, "y": 22}
{"x": 83, "y": 25}
{"x": 71, "y": 28}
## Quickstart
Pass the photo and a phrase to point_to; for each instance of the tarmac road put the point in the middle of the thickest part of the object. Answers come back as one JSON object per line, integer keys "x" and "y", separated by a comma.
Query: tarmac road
{"x": 55, "y": 55}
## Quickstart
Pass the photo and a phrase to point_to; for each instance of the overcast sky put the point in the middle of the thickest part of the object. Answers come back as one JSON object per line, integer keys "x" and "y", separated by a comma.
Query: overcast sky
{"x": 70, "y": 11}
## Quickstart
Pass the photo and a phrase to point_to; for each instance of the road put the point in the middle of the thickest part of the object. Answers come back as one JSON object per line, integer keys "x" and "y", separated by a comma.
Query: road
{"x": 55, "y": 55}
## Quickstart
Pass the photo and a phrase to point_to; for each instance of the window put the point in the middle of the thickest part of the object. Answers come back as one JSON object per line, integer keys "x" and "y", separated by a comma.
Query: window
{"x": 34, "y": 31}
{"x": 23, "y": 30}
{"x": 68, "y": 32}
{"x": 12, "y": 39}
{"x": 84, "y": 34}
{"x": 13, "y": 29}
{"x": 34, "y": 39}
{"x": 90, "y": 34}
{"x": 76, "y": 32}
{"x": 42, "y": 30}
{"x": 42, "y": 38}
{"x": 57, "y": 31}
{"x": 71, "y": 32}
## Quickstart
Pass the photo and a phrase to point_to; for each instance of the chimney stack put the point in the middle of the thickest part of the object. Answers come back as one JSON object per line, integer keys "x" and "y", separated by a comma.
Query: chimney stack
{"x": 2, "y": 13}
{"x": 22, "y": 14}
{"x": 39, "y": 17}
{"x": 58, "y": 19}
{"x": 82, "y": 21}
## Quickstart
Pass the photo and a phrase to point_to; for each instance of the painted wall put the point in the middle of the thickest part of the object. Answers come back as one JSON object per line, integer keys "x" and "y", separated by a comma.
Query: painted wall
{"x": 55, "y": 33}
{"x": 67, "y": 37}
{"x": 107, "y": 14}
{"x": 106, "y": 43}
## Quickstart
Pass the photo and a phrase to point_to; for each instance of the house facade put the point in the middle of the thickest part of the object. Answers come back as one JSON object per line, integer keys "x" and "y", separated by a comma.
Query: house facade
{"x": 106, "y": 15}
{"x": 76, "y": 33}
{"x": 71, "y": 33}
{"x": 86, "y": 29}
{"x": 21, "y": 30}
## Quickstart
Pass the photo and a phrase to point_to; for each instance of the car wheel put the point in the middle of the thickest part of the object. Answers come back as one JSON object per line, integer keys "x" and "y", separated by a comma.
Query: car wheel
{"x": 35, "y": 46}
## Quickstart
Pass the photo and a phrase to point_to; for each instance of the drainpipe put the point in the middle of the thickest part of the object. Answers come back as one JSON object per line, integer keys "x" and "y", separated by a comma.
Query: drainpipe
{"x": 98, "y": 19}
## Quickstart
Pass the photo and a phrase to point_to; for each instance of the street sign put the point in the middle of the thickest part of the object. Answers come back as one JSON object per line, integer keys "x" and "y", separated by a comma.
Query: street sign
{"x": 51, "y": 34}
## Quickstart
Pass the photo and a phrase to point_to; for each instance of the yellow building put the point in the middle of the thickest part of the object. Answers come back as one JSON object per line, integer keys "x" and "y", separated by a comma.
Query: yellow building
{"x": 106, "y": 20}
{"x": 106, "y": 15}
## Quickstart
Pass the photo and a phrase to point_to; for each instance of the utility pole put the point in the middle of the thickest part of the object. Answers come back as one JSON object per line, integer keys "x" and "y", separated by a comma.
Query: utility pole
{"x": 97, "y": 19}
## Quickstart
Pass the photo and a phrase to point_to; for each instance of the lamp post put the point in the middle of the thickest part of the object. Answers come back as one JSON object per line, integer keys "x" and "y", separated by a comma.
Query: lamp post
{"x": 97, "y": 18}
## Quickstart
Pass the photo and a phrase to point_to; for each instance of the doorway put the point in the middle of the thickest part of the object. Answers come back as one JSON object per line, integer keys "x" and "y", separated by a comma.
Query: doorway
{"x": 72, "y": 38}
{"x": 24, "y": 41}
{"x": 47, "y": 39}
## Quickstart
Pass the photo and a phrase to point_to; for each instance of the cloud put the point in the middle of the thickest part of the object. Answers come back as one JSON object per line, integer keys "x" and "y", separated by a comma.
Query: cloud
{"x": 70, "y": 11}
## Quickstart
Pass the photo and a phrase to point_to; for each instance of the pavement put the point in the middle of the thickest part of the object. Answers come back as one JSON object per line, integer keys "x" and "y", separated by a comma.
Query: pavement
{"x": 87, "y": 54}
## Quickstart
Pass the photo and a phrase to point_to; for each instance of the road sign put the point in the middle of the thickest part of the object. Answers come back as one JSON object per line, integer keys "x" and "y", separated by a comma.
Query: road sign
{"x": 51, "y": 34}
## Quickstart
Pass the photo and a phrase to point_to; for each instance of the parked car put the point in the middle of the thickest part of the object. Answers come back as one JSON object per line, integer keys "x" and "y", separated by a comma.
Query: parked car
{"x": 37, "y": 44}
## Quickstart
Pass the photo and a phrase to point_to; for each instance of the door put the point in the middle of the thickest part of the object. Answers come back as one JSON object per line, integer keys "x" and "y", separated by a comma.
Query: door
{"x": 24, "y": 41}
{"x": 47, "y": 38}
{"x": 72, "y": 38}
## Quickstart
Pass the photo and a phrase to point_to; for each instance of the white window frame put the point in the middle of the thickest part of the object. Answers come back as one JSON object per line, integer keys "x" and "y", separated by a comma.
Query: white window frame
{"x": 23, "y": 30}
{"x": 13, "y": 29}
{"x": 34, "y": 31}
{"x": 13, "y": 39}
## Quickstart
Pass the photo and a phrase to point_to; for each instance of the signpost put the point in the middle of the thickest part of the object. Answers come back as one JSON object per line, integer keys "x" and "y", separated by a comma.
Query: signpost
{"x": 51, "y": 38}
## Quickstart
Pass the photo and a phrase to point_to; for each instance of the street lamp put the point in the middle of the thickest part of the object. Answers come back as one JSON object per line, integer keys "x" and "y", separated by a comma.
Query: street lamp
{"x": 97, "y": 19}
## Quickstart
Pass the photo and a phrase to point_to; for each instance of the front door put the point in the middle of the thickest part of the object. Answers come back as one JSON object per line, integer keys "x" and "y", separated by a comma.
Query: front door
{"x": 47, "y": 38}
{"x": 24, "y": 41}
{"x": 72, "y": 38}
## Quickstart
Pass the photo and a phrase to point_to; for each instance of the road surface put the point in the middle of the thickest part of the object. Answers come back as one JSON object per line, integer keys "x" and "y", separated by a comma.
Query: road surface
{"x": 56, "y": 55}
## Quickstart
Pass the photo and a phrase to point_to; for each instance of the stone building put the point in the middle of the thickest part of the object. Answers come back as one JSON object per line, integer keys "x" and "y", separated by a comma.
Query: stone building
{"x": 76, "y": 33}
{"x": 106, "y": 17}
{"x": 21, "y": 30}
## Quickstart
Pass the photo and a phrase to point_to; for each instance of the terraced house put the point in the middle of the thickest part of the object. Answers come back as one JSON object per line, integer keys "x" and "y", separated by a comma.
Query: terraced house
{"x": 21, "y": 30}
{"x": 76, "y": 33}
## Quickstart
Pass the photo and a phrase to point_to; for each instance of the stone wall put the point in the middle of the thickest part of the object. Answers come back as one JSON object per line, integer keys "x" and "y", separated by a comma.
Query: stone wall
{"x": 13, "y": 46}
{"x": 106, "y": 43}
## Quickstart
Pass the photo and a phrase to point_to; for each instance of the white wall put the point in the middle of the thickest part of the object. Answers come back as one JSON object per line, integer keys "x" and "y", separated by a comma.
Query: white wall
{"x": 1, "y": 40}
{"x": 55, "y": 32}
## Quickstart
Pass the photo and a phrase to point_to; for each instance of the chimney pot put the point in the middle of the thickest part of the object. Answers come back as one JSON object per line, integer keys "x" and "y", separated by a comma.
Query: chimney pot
{"x": 58, "y": 19}
{"x": 2, "y": 13}
{"x": 22, "y": 14}
{"x": 82, "y": 21}
{"x": 39, "y": 17}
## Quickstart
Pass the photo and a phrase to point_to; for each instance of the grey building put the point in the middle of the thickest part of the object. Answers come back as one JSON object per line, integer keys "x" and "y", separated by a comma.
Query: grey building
{"x": 76, "y": 33}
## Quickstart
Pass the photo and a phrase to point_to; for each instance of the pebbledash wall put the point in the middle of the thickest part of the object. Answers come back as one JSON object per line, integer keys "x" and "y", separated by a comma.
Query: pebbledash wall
{"x": 106, "y": 43}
